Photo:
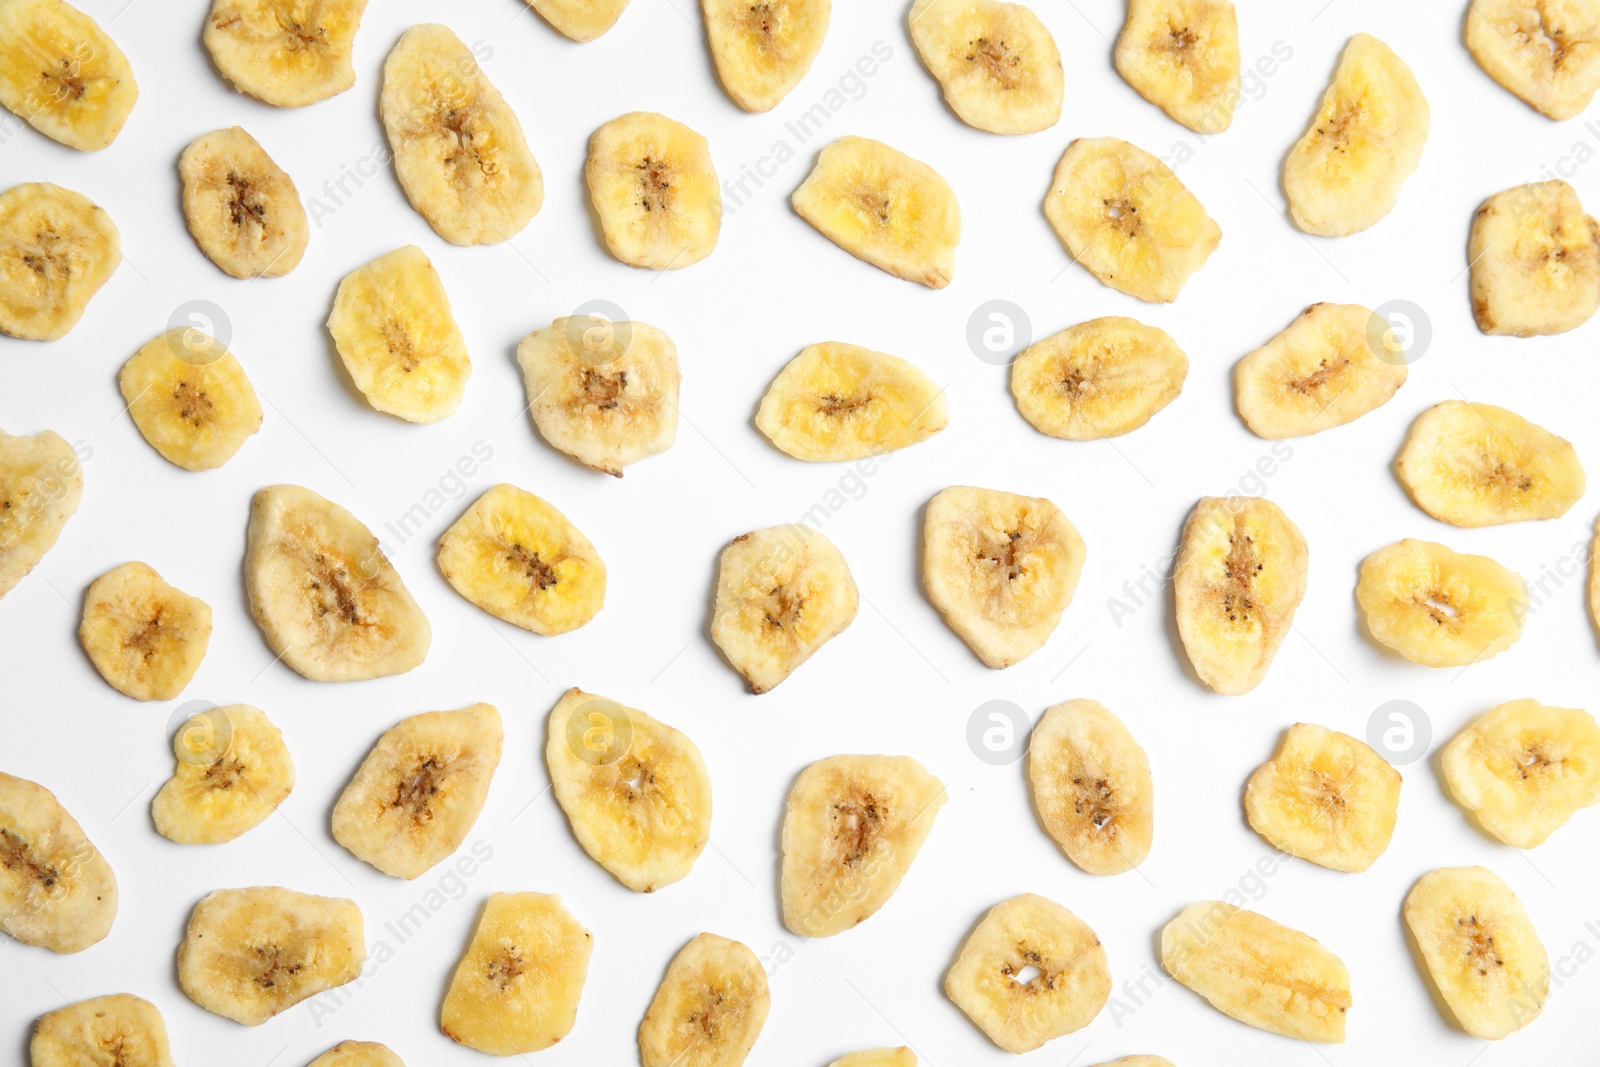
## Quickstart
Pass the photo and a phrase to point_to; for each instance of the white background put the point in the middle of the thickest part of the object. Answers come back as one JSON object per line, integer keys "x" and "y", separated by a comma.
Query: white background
{"x": 897, "y": 681}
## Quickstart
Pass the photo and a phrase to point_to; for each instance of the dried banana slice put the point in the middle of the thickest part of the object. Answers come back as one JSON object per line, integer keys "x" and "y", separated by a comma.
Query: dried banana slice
{"x": 1101, "y": 378}
{"x": 1331, "y": 365}
{"x": 763, "y": 49}
{"x": 62, "y": 74}
{"x": 458, "y": 148}
{"x": 392, "y": 325}
{"x": 358, "y": 1054}
{"x": 1545, "y": 51}
{"x": 145, "y": 637}
{"x": 517, "y": 986}
{"x": 41, "y": 485}
{"x": 1437, "y": 607}
{"x": 56, "y": 250}
{"x": 1482, "y": 952}
{"x": 1325, "y": 797}
{"x": 996, "y": 62}
{"x": 837, "y": 401}
{"x": 243, "y": 210}
{"x": 518, "y": 558}
{"x": 1535, "y": 261}
{"x": 709, "y": 1009}
{"x": 56, "y": 889}
{"x": 603, "y": 392}
{"x": 581, "y": 20}
{"x": 1240, "y": 575}
{"x": 654, "y": 190}
{"x": 1138, "y": 1061}
{"x": 878, "y": 1057}
{"x": 782, "y": 593}
{"x": 1346, "y": 171}
{"x": 1183, "y": 57}
{"x": 884, "y": 208}
{"x": 327, "y": 599}
{"x": 190, "y": 399}
{"x": 1091, "y": 787}
{"x": 416, "y": 795}
{"x": 287, "y": 53}
{"x": 233, "y": 771}
{"x": 1126, "y": 217}
{"x": 1070, "y": 984}
{"x": 120, "y": 1030}
{"x": 249, "y": 954}
{"x": 635, "y": 790}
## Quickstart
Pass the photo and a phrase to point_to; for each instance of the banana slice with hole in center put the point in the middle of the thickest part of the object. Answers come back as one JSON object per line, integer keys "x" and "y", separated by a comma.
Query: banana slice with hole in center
{"x": 580, "y": 20}
{"x": 1330, "y": 366}
{"x": 837, "y": 401}
{"x": 1325, "y": 797}
{"x": 1545, "y": 51}
{"x": 56, "y": 250}
{"x": 62, "y": 74}
{"x": 41, "y": 485}
{"x": 190, "y": 399}
{"x": 709, "y": 1008}
{"x": 762, "y": 48}
{"x": 1183, "y": 57}
{"x": 56, "y": 889}
{"x": 996, "y": 62}
{"x": 1438, "y": 607}
{"x": 358, "y": 1054}
{"x": 654, "y": 189}
{"x": 287, "y": 53}
{"x": 1101, "y": 378}
{"x": 233, "y": 771}
{"x": 145, "y": 637}
{"x": 1535, "y": 261}
{"x": 120, "y": 1030}
{"x": 242, "y": 209}
{"x": 1091, "y": 787}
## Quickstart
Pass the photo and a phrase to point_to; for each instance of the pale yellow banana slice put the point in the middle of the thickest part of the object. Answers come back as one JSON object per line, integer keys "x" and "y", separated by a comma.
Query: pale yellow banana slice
{"x": 233, "y": 771}
{"x": 996, "y": 62}
{"x": 654, "y": 190}
{"x": 416, "y": 795}
{"x": 190, "y": 398}
{"x": 1101, "y": 378}
{"x": 1438, "y": 607}
{"x": 581, "y": 20}
{"x": 56, "y": 250}
{"x": 62, "y": 74}
{"x": 120, "y": 1030}
{"x": 517, "y": 986}
{"x": 1126, "y": 217}
{"x": 249, "y": 954}
{"x": 603, "y": 392}
{"x": 458, "y": 148}
{"x": 41, "y": 485}
{"x": 287, "y": 53}
{"x": 1331, "y": 365}
{"x": 56, "y": 889}
{"x": 1091, "y": 787}
{"x": 782, "y": 593}
{"x": 358, "y": 1054}
{"x": 327, "y": 599}
{"x": 837, "y": 401}
{"x": 1545, "y": 51}
{"x": 1183, "y": 57}
{"x": 1030, "y": 972}
{"x": 1535, "y": 261}
{"x": 392, "y": 325}
{"x": 709, "y": 1009}
{"x": 1325, "y": 797}
{"x": 635, "y": 790}
{"x": 852, "y": 828}
{"x": 884, "y": 208}
{"x": 145, "y": 637}
{"x": 878, "y": 1057}
{"x": 1240, "y": 575}
{"x": 1481, "y": 950}
{"x": 762, "y": 48}
{"x": 243, "y": 210}
{"x": 518, "y": 558}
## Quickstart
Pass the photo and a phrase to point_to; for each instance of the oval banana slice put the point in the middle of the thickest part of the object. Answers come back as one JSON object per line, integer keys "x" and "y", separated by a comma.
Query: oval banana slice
{"x": 878, "y": 1057}
{"x": 358, "y": 1054}
{"x": 996, "y": 62}
{"x": 1330, "y": 366}
{"x": 837, "y": 401}
{"x": 41, "y": 485}
{"x": 190, "y": 399}
{"x": 1091, "y": 787}
{"x": 581, "y": 20}
{"x": 709, "y": 1009}
{"x": 1440, "y": 608}
{"x": 242, "y": 209}
{"x": 145, "y": 637}
{"x": 1325, "y": 797}
{"x": 62, "y": 74}
{"x": 458, "y": 148}
{"x": 120, "y": 1030}
{"x": 1183, "y": 57}
{"x": 655, "y": 191}
{"x": 287, "y": 53}
{"x": 1101, "y": 378}
{"x": 1535, "y": 261}
{"x": 1545, "y": 51}
{"x": 56, "y": 889}
{"x": 56, "y": 250}
{"x": 233, "y": 771}
{"x": 763, "y": 49}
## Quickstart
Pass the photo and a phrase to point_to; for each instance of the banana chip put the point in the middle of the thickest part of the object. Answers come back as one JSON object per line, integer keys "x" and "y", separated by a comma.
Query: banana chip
{"x": 62, "y": 74}
{"x": 288, "y": 53}
{"x": 996, "y": 62}
{"x": 56, "y": 250}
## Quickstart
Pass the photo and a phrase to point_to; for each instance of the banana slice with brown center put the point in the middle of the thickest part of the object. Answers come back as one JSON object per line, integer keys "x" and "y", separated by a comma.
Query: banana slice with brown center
{"x": 1535, "y": 260}
{"x": 762, "y": 48}
{"x": 145, "y": 637}
{"x": 996, "y": 62}
{"x": 1183, "y": 57}
{"x": 837, "y": 401}
{"x": 1101, "y": 378}
{"x": 41, "y": 485}
{"x": 233, "y": 771}
{"x": 655, "y": 191}
{"x": 709, "y": 1009}
{"x": 56, "y": 889}
{"x": 1091, "y": 786}
{"x": 56, "y": 250}
{"x": 1438, "y": 607}
{"x": 1325, "y": 797}
{"x": 190, "y": 398}
{"x": 288, "y": 53}
{"x": 62, "y": 74}
{"x": 243, "y": 210}
{"x": 1545, "y": 51}
{"x": 120, "y": 1030}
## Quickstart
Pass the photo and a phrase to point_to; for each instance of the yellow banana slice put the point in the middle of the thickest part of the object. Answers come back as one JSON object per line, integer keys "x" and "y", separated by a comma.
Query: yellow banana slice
{"x": 233, "y": 771}
{"x": 145, "y": 637}
{"x": 1535, "y": 261}
{"x": 41, "y": 485}
{"x": 358, "y": 1054}
{"x": 1091, "y": 787}
{"x": 581, "y": 20}
{"x": 1545, "y": 51}
{"x": 62, "y": 74}
{"x": 190, "y": 399}
{"x": 1437, "y": 607}
{"x": 763, "y": 48}
{"x": 287, "y": 53}
{"x": 655, "y": 191}
{"x": 243, "y": 210}
{"x": 120, "y": 1030}
{"x": 1183, "y": 57}
{"x": 1138, "y": 1061}
{"x": 56, "y": 889}
{"x": 996, "y": 62}
{"x": 709, "y": 1009}
{"x": 878, "y": 1057}
{"x": 837, "y": 401}
{"x": 1331, "y": 365}
{"x": 1325, "y": 797}
{"x": 56, "y": 250}
{"x": 1101, "y": 378}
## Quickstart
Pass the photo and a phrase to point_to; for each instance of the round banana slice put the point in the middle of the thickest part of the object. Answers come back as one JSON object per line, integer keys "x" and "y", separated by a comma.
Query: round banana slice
{"x": 1183, "y": 57}
{"x": 62, "y": 74}
{"x": 242, "y": 209}
{"x": 1101, "y": 378}
{"x": 655, "y": 191}
{"x": 581, "y": 20}
{"x": 358, "y": 1054}
{"x": 1545, "y": 51}
{"x": 1091, "y": 787}
{"x": 1325, "y": 797}
{"x": 709, "y": 1009}
{"x": 41, "y": 485}
{"x": 56, "y": 250}
{"x": 233, "y": 771}
{"x": 120, "y": 1030}
{"x": 838, "y": 401}
{"x": 145, "y": 637}
{"x": 878, "y": 1057}
{"x": 287, "y": 53}
{"x": 1535, "y": 261}
{"x": 996, "y": 62}
{"x": 763, "y": 49}
{"x": 190, "y": 399}
{"x": 1440, "y": 608}
{"x": 56, "y": 889}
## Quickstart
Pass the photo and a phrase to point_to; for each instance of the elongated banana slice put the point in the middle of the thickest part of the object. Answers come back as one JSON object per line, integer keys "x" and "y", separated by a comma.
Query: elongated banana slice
{"x": 249, "y": 954}
{"x": 782, "y": 593}
{"x": 41, "y": 485}
{"x": 1437, "y": 607}
{"x": 996, "y": 62}
{"x": 517, "y": 986}
{"x": 120, "y": 1030}
{"x": 62, "y": 74}
{"x": 837, "y": 401}
{"x": 327, "y": 599}
{"x": 1524, "y": 769}
{"x": 1545, "y": 51}
{"x": 1331, "y": 365}
{"x": 635, "y": 790}
{"x": 392, "y": 325}
{"x": 416, "y": 795}
{"x": 1325, "y": 797}
{"x": 458, "y": 148}
{"x": 242, "y": 208}
{"x": 145, "y": 637}
{"x": 884, "y": 208}
{"x": 1101, "y": 378}
{"x": 709, "y": 1009}
{"x": 581, "y": 20}
{"x": 56, "y": 890}
{"x": 1091, "y": 787}
{"x": 654, "y": 190}
{"x": 603, "y": 392}
{"x": 190, "y": 398}
{"x": 1535, "y": 260}
{"x": 1183, "y": 57}
{"x": 1482, "y": 952}
{"x": 1126, "y": 217}
{"x": 1240, "y": 575}
{"x": 287, "y": 53}
{"x": 358, "y": 1054}
{"x": 853, "y": 827}
{"x": 233, "y": 771}
{"x": 762, "y": 49}
{"x": 1069, "y": 984}
{"x": 56, "y": 250}
{"x": 878, "y": 1057}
